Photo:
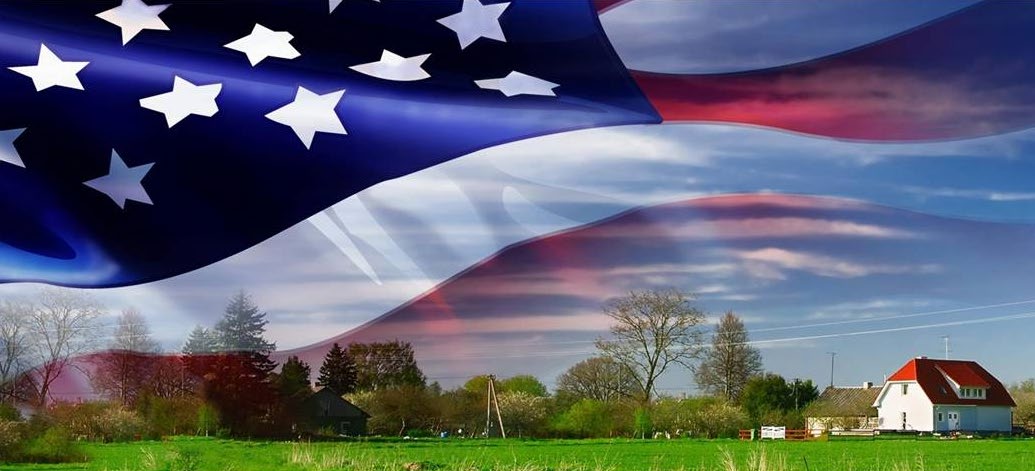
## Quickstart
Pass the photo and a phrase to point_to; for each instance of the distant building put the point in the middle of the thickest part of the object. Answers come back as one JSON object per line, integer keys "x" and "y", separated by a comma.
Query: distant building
{"x": 328, "y": 410}
{"x": 928, "y": 395}
{"x": 843, "y": 409}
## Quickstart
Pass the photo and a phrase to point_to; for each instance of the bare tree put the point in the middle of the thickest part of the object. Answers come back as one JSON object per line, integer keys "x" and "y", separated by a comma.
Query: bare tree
{"x": 730, "y": 362}
{"x": 653, "y": 330}
{"x": 63, "y": 324}
{"x": 127, "y": 368}
{"x": 15, "y": 348}
{"x": 599, "y": 378}
{"x": 133, "y": 334}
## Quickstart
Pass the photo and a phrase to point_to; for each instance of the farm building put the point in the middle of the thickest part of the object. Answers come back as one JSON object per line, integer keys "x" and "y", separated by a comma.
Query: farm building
{"x": 327, "y": 409}
{"x": 928, "y": 395}
{"x": 842, "y": 409}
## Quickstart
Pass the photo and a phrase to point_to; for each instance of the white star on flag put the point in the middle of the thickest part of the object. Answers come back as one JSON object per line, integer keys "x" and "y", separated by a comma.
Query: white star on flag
{"x": 476, "y": 21}
{"x": 185, "y": 99}
{"x": 7, "y": 151}
{"x": 395, "y": 67}
{"x": 309, "y": 114}
{"x": 517, "y": 83}
{"x": 51, "y": 71}
{"x": 122, "y": 183}
{"x": 134, "y": 16}
{"x": 264, "y": 42}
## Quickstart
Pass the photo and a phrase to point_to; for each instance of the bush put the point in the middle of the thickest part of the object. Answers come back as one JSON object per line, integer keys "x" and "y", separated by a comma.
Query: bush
{"x": 174, "y": 416}
{"x": 12, "y": 438}
{"x": 10, "y": 413}
{"x": 96, "y": 421}
{"x": 54, "y": 446}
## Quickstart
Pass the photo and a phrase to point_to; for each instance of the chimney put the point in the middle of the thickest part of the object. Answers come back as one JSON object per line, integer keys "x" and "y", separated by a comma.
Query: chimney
{"x": 867, "y": 384}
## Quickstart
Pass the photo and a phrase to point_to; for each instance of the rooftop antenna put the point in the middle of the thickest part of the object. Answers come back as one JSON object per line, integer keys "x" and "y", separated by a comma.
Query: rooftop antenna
{"x": 946, "y": 339}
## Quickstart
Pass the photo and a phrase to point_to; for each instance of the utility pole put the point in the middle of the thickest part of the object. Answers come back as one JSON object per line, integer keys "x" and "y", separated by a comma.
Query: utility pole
{"x": 491, "y": 401}
{"x": 832, "y": 355}
{"x": 946, "y": 339}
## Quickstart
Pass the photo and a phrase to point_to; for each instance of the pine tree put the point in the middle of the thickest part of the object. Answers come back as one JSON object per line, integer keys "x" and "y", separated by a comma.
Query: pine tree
{"x": 237, "y": 380}
{"x": 200, "y": 341}
{"x": 731, "y": 362}
{"x": 242, "y": 327}
{"x": 338, "y": 371}
{"x": 293, "y": 379}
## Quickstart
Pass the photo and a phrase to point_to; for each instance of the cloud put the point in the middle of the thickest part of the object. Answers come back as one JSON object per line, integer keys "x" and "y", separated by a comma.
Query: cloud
{"x": 770, "y": 263}
{"x": 978, "y": 194}
{"x": 715, "y": 36}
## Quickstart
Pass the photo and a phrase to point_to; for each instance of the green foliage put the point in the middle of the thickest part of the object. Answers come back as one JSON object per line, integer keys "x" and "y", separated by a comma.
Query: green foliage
{"x": 98, "y": 421}
{"x": 237, "y": 381}
{"x": 170, "y": 416}
{"x": 208, "y": 420}
{"x": 54, "y": 446}
{"x": 523, "y": 414}
{"x": 385, "y": 365}
{"x": 643, "y": 426}
{"x": 394, "y": 411}
{"x": 242, "y": 327}
{"x": 600, "y": 378}
{"x": 587, "y": 418}
{"x": 293, "y": 379}
{"x": 770, "y": 397}
{"x": 9, "y": 412}
{"x": 201, "y": 341}
{"x": 338, "y": 371}
{"x": 526, "y": 384}
{"x": 12, "y": 438}
{"x": 700, "y": 417}
{"x": 1024, "y": 395}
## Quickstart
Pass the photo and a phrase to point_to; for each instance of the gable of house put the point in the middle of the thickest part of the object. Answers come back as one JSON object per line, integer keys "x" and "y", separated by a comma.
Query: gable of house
{"x": 327, "y": 403}
{"x": 944, "y": 382}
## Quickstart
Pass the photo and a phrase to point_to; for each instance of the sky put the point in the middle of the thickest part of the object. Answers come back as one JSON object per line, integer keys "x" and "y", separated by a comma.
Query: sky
{"x": 874, "y": 251}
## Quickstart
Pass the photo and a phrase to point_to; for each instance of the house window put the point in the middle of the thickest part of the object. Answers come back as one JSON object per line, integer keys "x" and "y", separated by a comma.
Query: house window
{"x": 939, "y": 416}
{"x": 903, "y": 421}
{"x": 905, "y": 389}
{"x": 966, "y": 392}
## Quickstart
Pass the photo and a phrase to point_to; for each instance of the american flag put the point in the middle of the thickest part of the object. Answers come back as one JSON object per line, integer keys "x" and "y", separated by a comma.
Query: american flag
{"x": 141, "y": 141}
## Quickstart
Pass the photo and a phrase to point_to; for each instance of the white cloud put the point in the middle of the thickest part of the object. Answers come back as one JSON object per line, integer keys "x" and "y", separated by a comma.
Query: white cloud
{"x": 769, "y": 263}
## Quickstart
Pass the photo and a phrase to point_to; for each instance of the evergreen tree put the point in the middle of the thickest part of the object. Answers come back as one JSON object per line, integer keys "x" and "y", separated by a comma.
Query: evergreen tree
{"x": 200, "y": 341}
{"x": 293, "y": 379}
{"x": 237, "y": 380}
{"x": 338, "y": 371}
{"x": 731, "y": 362}
{"x": 242, "y": 327}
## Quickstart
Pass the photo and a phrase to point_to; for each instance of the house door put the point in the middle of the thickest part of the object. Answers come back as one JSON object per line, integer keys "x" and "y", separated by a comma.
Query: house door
{"x": 954, "y": 420}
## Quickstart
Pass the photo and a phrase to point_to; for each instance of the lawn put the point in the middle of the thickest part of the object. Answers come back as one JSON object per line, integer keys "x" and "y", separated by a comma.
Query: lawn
{"x": 193, "y": 454}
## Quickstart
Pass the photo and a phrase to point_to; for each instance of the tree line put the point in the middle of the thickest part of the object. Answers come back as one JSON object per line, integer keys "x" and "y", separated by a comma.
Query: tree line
{"x": 225, "y": 382}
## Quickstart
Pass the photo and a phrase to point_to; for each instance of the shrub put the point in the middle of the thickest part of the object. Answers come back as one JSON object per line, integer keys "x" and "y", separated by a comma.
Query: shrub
{"x": 54, "y": 446}
{"x": 118, "y": 424}
{"x": 12, "y": 438}
{"x": 96, "y": 420}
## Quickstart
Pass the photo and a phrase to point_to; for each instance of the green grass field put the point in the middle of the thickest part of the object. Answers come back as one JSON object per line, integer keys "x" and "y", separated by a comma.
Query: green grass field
{"x": 187, "y": 454}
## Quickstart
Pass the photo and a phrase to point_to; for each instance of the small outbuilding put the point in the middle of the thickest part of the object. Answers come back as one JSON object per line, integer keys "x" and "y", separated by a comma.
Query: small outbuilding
{"x": 843, "y": 409}
{"x": 326, "y": 409}
{"x": 929, "y": 395}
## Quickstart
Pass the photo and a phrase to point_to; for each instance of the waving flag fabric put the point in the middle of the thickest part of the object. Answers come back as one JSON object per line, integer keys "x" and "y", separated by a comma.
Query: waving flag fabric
{"x": 144, "y": 141}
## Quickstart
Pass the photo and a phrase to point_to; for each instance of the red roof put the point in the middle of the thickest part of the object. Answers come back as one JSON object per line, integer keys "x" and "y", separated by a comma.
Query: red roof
{"x": 931, "y": 375}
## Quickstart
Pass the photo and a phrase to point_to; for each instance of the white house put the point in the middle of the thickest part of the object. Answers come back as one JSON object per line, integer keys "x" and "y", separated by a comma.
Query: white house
{"x": 928, "y": 395}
